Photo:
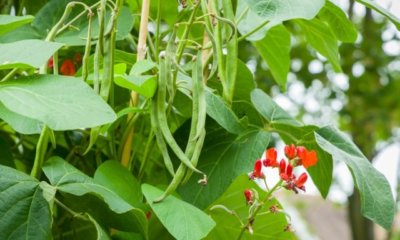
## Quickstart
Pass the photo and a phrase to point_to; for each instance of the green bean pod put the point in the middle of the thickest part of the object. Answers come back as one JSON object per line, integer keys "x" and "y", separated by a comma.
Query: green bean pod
{"x": 160, "y": 139}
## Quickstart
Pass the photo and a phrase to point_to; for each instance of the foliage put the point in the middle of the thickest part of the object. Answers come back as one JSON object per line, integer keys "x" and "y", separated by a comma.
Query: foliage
{"x": 188, "y": 114}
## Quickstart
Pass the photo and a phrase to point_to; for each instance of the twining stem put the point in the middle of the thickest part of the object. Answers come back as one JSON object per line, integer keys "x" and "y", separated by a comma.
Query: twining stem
{"x": 41, "y": 149}
{"x": 141, "y": 53}
{"x": 258, "y": 208}
{"x": 181, "y": 46}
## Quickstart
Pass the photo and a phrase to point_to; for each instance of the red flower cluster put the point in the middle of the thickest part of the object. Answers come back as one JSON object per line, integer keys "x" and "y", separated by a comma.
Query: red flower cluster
{"x": 296, "y": 156}
{"x": 68, "y": 66}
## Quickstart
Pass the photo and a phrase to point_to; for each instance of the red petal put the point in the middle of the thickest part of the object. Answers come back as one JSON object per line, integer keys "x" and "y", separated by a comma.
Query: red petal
{"x": 290, "y": 151}
{"x": 301, "y": 180}
{"x": 311, "y": 159}
{"x": 68, "y": 68}
{"x": 289, "y": 170}
{"x": 257, "y": 169}
{"x": 271, "y": 157}
{"x": 282, "y": 166}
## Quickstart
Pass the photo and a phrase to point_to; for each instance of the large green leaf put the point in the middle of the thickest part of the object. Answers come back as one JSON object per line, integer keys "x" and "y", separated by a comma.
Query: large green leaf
{"x": 267, "y": 226}
{"x": 371, "y": 4}
{"x": 70, "y": 180}
{"x": 26, "y": 53}
{"x": 321, "y": 173}
{"x": 218, "y": 110}
{"x": 340, "y": 24}
{"x": 244, "y": 83}
{"x": 224, "y": 157}
{"x": 320, "y": 36}
{"x": 24, "y": 212}
{"x": 182, "y": 220}
{"x": 19, "y": 123}
{"x": 9, "y": 23}
{"x": 275, "y": 50}
{"x": 274, "y": 12}
{"x": 270, "y": 110}
{"x": 113, "y": 175}
{"x": 377, "y": 202}
{"x": 60, "y": 102}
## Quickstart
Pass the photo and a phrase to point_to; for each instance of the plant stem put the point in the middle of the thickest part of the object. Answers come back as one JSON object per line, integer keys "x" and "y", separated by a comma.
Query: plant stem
{"x": 258, "y": 208}
{"x": 181, "y": 46}
{"x": 41, "y": 149}
{"x": 243, "y": 37}
{"x": 69, "y": 210}
{"x": 141, "y": 53}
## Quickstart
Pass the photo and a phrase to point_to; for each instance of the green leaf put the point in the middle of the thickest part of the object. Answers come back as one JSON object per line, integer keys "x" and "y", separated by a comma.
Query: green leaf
{"x": 21, "y": 33}
{"x": 6, "y": 157}
{"x": 26, "y": 53}
{"x": 143, "y": 84}
{"x": 274, "y": 12}
{"x": 181, "y": 219}
{"x": 77, "y": 36}
{"x": 19, "y": 123}
{"x": 70, "y": 180}
{"x": 371, "y": 4}
{"x": 113, "y": 175}
{"x": 224, "y": 157}
{"x": 267, "y": 226}
{"x": 321, "y": 173}
{"x": 270, "y": 110}
{"x": 377, "y": 202}
{"x": 9, "y": 23}
{"x": 321, "y": 37}
{"x": 244, "y": 83}
{"x": 275, "y": 50}
{"x": 142, "y": 67}
{"x": 60, "y": 102}
{"x": 340, "y": 24}
{"x": 24, "y": 212}
{"x": 222, "y": 114}
{"x": 101, "y": 234}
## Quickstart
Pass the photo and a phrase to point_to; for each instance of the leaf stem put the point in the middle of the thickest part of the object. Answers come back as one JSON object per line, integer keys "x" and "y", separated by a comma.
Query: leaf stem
{"x": 258, "y": 208}
{"x": 41, "y": 149}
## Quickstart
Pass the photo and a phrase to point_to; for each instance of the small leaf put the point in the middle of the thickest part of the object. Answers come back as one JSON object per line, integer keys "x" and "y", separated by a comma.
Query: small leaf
{"x": 24, "y": 212}
{"x": 341, "y": 25}
{"x": 143, "y": 84}
{"x": 222, "y": 114}
{"x": 142, "y": 67}
{"x": 266, "y": 226}
{"x": 371, "y": 4}
{"x": 60, "y": 102}
{"x": 70, "y": 180}
{"x": 182, "y": 220}
{"x": 321, "y": 37}
{"x": 26, "y": 53}
{"x": 275, "y": 50}
{"x": 377, "y": 202}
{"x": 113, "y": 175}
{"x": 270, "y": 110}
{"x": 224, "y": 157}
{"x": 9, "y": 23}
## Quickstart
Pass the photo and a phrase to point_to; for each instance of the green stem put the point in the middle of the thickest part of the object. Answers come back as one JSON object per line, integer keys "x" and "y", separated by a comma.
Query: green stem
{"x": 243, "y": 37}
{"x": 70, "y": 211}
{"x": 181, "y": 46}
{"x": 9, "y": 75}
{"x": 258, "y": 208}
{"x": 41, "y": 149}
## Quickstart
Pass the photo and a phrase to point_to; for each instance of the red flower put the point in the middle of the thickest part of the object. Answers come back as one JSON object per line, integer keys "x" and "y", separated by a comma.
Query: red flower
{"x": 68, "y": 68}
{"x": 307, "y": 158}
{"x": 257, "y": 173}
{"x": 270, "y": 160}
{"x": 249, "y": 195}
{"x": 290, "y": 151}
{"x": 50, "y": 63}
{"x": 286, "y": 174}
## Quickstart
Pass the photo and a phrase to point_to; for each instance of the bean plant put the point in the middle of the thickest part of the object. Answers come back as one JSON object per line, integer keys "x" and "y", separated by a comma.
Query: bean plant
{"x": 140, "y": 119}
